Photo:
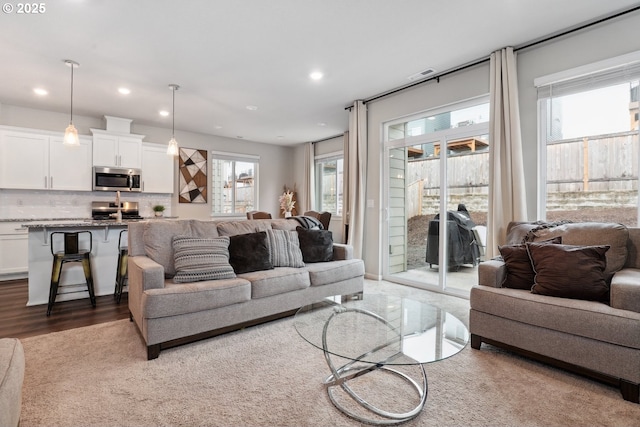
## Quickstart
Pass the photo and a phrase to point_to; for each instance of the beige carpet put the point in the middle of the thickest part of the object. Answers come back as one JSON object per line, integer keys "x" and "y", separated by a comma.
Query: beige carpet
{"x": 268, "y": 376}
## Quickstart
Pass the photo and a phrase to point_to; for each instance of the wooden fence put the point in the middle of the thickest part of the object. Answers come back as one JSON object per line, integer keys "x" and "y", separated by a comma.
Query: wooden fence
{"x": 580, "y": 172}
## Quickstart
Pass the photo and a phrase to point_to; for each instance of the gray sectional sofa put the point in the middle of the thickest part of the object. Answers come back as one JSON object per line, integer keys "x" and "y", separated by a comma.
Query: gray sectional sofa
{"x": 169, "y": 313}
{"x": 592, "y": 337}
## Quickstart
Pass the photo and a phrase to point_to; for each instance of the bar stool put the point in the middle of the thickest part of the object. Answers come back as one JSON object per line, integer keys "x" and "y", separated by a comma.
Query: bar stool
{"x": 121, "y": 273}
{"x": 71, "y": 253}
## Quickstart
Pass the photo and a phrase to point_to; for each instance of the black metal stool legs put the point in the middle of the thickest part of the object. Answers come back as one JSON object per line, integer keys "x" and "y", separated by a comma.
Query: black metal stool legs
{"x": 86, "y": 266}
{"x": 121, "y": 274}
{"x": 55, "y": 280}
{"x": 71, "y": 253}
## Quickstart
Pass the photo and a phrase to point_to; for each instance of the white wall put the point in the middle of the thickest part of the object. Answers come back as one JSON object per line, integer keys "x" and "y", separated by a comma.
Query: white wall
{"x": 600, "y": 42}
{"x": 275, "y": 161}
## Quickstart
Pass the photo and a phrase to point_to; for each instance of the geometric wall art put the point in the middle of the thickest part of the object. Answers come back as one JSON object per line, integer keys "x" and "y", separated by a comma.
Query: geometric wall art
{"x": 192, "y": 176}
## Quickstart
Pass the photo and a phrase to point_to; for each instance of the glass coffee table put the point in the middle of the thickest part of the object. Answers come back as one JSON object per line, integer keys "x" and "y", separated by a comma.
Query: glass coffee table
{"x": 384, "y": 335}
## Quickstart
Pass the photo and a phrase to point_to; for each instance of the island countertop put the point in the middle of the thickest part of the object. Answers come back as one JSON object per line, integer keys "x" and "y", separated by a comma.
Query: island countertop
{"x": 78, "y": 223}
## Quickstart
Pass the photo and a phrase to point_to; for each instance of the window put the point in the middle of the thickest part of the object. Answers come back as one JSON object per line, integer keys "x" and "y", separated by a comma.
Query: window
{"x": 329, "y": 183}
{"x": 589, "y": 144}
{"x": 234, "y": 183}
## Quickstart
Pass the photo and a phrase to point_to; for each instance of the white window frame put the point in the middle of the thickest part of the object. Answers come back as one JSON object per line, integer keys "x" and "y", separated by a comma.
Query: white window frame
{"x": 336, "y": 155}
{"x": 235, "y": 157}
{"x": 580, "y": 75}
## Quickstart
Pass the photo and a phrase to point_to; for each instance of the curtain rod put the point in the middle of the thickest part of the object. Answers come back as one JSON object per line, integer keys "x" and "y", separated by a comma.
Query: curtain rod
{"x": 328, "y": 138}
{"x": 515, "y": 49}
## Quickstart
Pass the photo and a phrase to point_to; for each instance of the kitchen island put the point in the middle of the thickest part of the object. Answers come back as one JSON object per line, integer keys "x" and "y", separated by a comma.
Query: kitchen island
{"x": 104, "y": 258}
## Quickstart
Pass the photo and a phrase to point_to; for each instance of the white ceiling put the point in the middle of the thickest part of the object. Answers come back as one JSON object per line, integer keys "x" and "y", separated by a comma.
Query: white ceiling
{"x": 227, "y": 55}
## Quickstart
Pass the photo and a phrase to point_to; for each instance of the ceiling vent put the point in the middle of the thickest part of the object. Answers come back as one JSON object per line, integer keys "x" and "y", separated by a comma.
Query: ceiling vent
{"x": 422, "y": 74}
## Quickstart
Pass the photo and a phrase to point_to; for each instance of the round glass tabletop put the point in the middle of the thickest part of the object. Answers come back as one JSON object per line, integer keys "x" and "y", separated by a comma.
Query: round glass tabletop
{"x": 382, "y": 329}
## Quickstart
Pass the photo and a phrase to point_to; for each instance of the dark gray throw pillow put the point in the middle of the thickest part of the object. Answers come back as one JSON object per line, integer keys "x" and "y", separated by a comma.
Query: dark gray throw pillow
{"x": 249, "y": 252}
{"x": 520, "y": 273}
{"x": 316, "y": 245}
{"x": 569, "y": 271}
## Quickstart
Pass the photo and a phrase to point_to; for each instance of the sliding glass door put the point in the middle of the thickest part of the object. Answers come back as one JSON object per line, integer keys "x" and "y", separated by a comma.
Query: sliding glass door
{"x": 436, "y": 170}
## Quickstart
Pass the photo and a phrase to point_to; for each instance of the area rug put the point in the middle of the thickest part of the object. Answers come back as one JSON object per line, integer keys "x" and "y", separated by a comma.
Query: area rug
{"x": 268, "y": 376}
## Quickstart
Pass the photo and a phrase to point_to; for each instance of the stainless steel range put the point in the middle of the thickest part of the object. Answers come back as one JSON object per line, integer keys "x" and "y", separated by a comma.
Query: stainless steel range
{"x": 109, "y": 210}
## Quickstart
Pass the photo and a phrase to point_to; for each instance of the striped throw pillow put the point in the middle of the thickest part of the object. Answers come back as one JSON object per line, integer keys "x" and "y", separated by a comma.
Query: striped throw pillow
{"x": 284, "y": 248}
{"x": 198, "y": 259}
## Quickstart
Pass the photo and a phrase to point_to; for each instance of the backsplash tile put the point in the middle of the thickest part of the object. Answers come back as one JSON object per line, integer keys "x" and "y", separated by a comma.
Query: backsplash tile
{"x": 42, "y": 204}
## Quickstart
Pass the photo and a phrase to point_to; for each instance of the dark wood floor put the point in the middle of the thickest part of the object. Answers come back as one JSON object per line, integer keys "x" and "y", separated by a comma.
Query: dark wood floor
{"x": 19, "y": 321}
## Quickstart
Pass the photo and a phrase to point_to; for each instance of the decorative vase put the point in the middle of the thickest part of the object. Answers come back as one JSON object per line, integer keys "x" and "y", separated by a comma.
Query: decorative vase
{"x": 159, "y": 214}
{"x": 287, "y": 214}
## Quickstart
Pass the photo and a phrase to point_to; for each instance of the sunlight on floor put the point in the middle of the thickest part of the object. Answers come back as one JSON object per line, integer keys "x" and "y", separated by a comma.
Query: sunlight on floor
{"x": 459, "y": 281}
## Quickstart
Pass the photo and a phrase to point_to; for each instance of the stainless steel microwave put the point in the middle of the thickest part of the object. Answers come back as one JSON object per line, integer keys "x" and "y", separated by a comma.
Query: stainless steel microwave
{"x": 116, "y": 179}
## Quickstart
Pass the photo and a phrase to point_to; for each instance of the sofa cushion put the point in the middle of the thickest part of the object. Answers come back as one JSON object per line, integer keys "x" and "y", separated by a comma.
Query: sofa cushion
{"x": 158, "y": 241}
{"x": 316, "y": 245}
{"x": 589, "y": 319}
{"x": 280, "y": 280}
{"x": 283, "y": 224}
{"x": 520, "y": 273}
{"x": 12, "y": 366}
{"x": 206, "y": 229}
{"x": 249, "y": 252}
{"x": 569, "y": 271}
{"x": 183, "y": 298}
{"x": 232, "y": 228}
{"x": 284, "y": 248}
{"x": 198, "y": 259}
{"x": 334, "y": 271}
{"x": 582, "y": 234}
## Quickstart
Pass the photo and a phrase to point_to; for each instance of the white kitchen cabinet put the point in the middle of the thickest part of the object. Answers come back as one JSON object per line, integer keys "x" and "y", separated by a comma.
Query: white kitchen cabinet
{"x": 14, "y": 252}
{"x": 116, "y": 150}
{"x": 157, "y": 169}
{"x": 40, "y": 161}
{"x": 70, "y": 167}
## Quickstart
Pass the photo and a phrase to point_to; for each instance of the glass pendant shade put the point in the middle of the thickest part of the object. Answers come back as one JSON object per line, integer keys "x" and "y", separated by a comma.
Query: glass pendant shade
{"x": 71, "y": 136}
{"x": 172, "y": 149}
{"x": 71, "y": 133}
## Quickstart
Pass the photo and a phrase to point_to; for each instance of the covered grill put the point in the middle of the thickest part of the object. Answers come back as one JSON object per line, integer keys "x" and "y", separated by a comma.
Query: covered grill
{"x": 463, "y": 243}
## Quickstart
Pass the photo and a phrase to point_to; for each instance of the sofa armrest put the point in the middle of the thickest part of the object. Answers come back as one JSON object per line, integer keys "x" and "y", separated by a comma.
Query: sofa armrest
{"x": 342, "y": 251}
{"x": 492, "y": 273}
{"x": 144, "y": 273}
{"x": 625, "y": 290}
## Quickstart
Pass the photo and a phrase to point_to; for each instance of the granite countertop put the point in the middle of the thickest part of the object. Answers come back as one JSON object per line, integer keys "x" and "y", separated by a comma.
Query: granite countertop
{"x": 43, "y": 219}
{"x": 78, "y": 223}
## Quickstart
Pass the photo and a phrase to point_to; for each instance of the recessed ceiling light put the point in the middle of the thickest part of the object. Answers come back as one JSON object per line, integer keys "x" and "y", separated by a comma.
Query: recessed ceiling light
{"x": 218, "y": 127}
{"x": 280, "y": 137}
{"x": 322, "y": 124}
{"x": 164, "y": 113}
{"x": 124, "y": 90}
{"x": 316, "y": 75}
{"x": 252, "y": 107}
{"x": 40, "y": 91}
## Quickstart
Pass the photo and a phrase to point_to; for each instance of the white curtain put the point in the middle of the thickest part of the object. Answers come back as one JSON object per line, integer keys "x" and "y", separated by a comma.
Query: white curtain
{"x": 345, "y": 186}
{"x": 507, "y": 200}
{"x": 355, "y": 160}
{"x": 309, "y": 191}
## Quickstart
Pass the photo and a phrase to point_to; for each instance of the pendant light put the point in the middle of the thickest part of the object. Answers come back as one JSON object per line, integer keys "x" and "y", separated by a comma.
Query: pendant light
{"x": 172, "y": 149}
{"x": 71, "y": 133}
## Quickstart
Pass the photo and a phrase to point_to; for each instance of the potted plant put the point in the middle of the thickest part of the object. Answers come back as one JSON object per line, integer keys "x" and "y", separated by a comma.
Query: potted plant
{"x": 158, "y": 210}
